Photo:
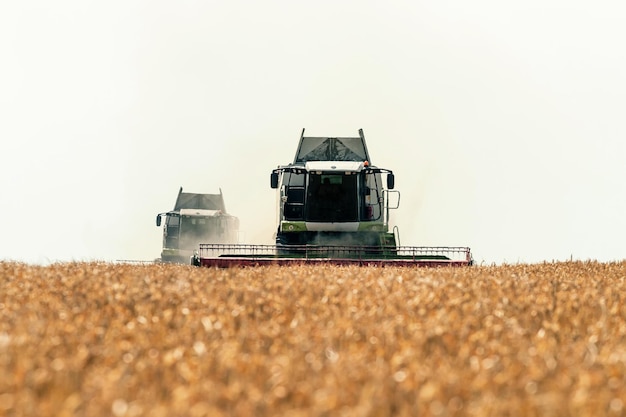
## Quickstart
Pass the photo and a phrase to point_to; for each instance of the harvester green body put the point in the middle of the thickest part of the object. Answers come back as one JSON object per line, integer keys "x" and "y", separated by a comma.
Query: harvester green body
{"x": 331, "y": 194}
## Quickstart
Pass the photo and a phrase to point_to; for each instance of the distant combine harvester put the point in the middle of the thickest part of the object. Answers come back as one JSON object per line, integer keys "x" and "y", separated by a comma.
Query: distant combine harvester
{"x": 196, "y": 218}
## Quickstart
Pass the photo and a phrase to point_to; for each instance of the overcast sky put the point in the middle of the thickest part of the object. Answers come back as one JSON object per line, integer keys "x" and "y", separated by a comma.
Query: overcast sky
{"x": 504, "y": 121}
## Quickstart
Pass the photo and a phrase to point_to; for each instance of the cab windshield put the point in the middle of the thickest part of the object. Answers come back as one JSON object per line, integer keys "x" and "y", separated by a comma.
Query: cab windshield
{"x": 332, "y": 198}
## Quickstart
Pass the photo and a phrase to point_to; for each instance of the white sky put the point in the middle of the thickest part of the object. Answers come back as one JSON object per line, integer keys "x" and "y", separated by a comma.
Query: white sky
{"x": 504, "y": 122}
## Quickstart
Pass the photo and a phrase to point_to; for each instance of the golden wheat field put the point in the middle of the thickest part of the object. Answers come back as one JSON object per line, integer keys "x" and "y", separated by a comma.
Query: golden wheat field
{"x": 105, "y": 339}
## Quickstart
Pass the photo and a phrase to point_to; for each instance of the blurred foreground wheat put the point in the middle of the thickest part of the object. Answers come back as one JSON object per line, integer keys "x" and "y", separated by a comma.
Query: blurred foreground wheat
{"x": 98, "y": 339}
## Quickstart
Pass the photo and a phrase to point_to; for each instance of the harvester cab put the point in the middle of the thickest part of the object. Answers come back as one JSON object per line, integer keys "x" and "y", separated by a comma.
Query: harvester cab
{"x": 333, "y": 208}
{"x": 196, "y": 218}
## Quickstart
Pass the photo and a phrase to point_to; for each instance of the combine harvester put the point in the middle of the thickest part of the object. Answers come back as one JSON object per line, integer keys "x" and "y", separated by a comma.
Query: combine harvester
{"x": 196, "y": 218}
{"x": 333, "y": 208}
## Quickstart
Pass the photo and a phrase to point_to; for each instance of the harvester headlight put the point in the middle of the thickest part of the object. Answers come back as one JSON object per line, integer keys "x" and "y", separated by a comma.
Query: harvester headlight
{"x": 290, "y": 227}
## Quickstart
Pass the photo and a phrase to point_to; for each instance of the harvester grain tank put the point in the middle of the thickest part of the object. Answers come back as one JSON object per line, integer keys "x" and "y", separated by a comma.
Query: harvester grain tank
{"x": 333, "y": 207}
{"x": 196, "y": 218}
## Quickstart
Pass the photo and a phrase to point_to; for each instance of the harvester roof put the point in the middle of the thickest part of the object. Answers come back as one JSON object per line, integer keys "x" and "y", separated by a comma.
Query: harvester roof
{"x": 339, "y": 166}
{"x": 200, "y": 213}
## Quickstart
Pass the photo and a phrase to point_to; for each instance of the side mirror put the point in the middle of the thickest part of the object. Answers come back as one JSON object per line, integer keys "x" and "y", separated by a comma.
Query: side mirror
{"x": 274, "y": 179}
{"x": 391, "y": 181}
{"x": 158, "y": 221}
